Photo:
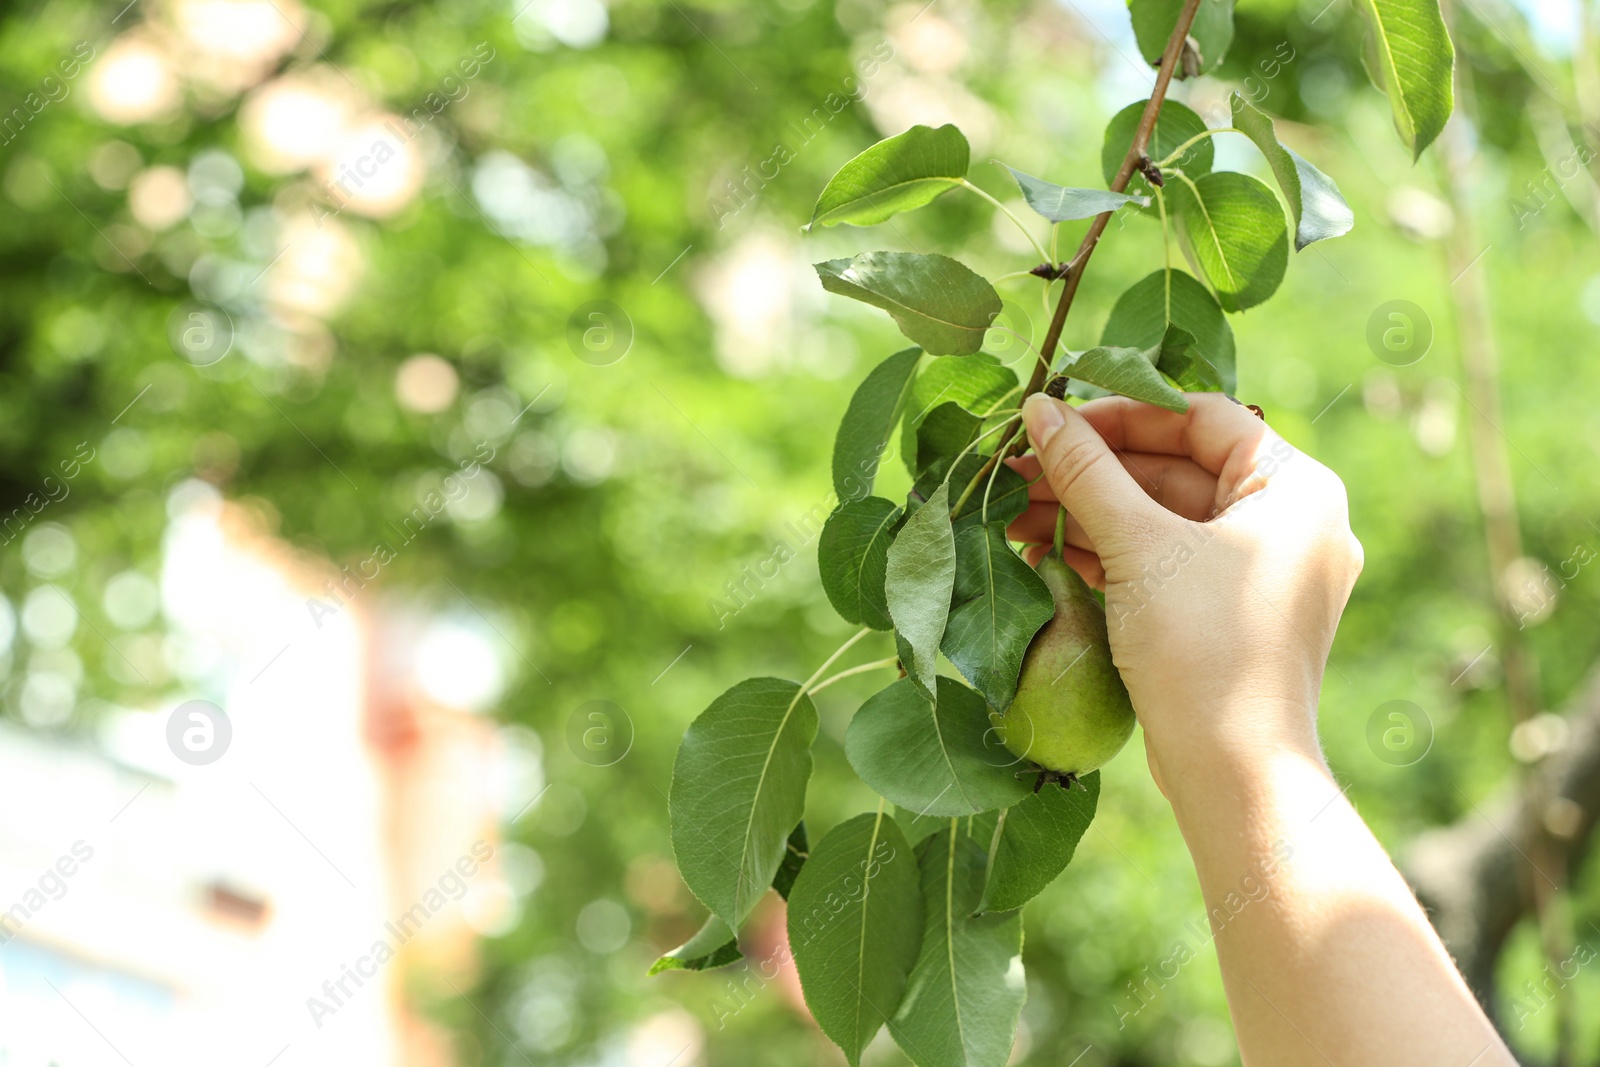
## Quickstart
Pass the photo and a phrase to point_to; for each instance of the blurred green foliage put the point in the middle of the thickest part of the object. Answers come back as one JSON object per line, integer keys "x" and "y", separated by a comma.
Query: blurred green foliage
{"x": 633, "y": 494}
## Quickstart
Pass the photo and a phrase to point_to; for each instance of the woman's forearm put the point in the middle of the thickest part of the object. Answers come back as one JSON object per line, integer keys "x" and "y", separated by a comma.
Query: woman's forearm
{"x": 1326, "y": 955}
{"x": 1225, "y": 569}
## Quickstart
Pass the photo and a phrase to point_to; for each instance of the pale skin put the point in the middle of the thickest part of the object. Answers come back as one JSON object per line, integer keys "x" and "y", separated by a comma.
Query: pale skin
{"x": 1226, "y": 558}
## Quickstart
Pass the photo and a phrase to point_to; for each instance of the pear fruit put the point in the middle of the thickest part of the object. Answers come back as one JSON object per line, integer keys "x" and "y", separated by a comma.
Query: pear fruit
{"x": 1071, "y": 713}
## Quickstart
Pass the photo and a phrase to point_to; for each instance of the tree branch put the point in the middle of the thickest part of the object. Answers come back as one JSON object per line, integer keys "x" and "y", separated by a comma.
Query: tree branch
{"x": 1130, "y": 163}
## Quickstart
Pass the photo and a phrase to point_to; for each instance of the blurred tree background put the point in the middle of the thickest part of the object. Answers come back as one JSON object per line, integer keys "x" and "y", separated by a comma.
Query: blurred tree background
{"x": 644, "y": 532}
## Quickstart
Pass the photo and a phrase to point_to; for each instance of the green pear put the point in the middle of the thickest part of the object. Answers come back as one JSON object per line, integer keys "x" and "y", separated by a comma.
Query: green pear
{"x": 1071, "y": 713}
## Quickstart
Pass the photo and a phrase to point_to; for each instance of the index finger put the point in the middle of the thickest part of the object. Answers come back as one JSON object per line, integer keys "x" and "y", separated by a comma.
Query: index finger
{"x": 1214, "y": 431}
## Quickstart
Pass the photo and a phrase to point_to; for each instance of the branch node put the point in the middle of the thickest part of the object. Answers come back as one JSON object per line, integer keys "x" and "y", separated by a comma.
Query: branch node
{"x": 1151, "y": 172}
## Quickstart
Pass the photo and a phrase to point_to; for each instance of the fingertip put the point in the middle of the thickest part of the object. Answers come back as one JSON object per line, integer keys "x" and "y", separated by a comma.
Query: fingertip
{"x": 1043, "y": 416}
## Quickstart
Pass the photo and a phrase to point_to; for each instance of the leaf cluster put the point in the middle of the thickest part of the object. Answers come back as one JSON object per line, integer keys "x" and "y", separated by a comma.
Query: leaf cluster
{"x": 911, "y": 918}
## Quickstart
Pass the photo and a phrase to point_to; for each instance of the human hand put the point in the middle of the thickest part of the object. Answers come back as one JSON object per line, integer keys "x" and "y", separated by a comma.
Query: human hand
{"x": 1226, "y": 558}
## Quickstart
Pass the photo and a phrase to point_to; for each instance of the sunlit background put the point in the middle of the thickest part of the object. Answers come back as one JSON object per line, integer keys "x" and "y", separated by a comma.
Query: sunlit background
{"x": 427, "y": 390}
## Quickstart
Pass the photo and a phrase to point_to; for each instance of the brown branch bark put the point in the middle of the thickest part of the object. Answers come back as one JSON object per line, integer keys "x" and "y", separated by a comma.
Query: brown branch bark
{"x": 1130, "y": 162}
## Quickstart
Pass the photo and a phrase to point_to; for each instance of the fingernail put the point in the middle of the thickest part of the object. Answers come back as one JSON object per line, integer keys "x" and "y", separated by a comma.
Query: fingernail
{"x": 1043, "y": 417}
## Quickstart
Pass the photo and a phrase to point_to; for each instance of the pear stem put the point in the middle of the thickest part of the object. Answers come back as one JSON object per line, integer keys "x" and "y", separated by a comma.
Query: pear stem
{"x": 1061, "y": 532}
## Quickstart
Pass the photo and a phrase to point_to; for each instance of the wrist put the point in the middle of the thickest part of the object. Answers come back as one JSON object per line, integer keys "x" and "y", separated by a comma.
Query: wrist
{"x": 1207, "y": 755}
{"x": 1249, "y": 806}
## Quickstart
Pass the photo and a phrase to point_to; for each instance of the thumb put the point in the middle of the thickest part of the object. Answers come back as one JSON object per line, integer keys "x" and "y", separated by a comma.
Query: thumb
{"x": 1090, "y": 482}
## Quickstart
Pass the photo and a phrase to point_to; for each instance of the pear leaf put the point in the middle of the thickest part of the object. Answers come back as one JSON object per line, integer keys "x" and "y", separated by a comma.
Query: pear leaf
{"x": 1179, "y": 358}
{"x": 919, "y": 828}
{"x": 919, "y": 577}
{"x": 795, "y": 853}
{"x": 1037, "y": 840}
{"x": 869, "y": 421}
{"x": 1170, "y": 298}
{"x": 996, "y": 501}
{"x": 738, "y": 790}
{"x": 853, "y": 559}
{"x": 965, "y": 994}
{"x": 713, "y": 946}
{"x": 977, "y": 384}
{"x": 855, "y": 925}
{"x": 1128, "y": 371}
{"x": 1319, "y": 210}
{"x": 944, "y": 433}
{"x": 1060, "y": 204}
{"x": 1007, "y": 497}
{"x": 937, "y": 302}
{"x": 1237, "y": 230}
{"x": 1000, "y": 603}
{"x": 1175, "y": 124}
{"x": 897, "y": 174}
{"x": 932, "y": 757}
{"x": 1410, "y": 57}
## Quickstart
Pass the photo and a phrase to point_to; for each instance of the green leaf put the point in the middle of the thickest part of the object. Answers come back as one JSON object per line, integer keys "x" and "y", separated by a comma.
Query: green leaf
{"x": 855, "y": 925}
{"x": 1037, "y": 841}
{"x": 1000, "y": 603}
{"x": 929, "y": 481}
{"x": 795, "y": 852}
{"x": 1237, "y": 230}
{"x": 918, "y": 828}
{"x": 932, "y": 757}
{"x": 978, "y": 383}
{"x": 1142, "y": 315}
{"x": 964, "y": 998}
{"x": 1174, "y": 125}
{"x": 1212, "y": 30}
{"x": 1412, "y": 59}
{"x": 738, "y": 789}
{"x": 1060, "y": 204}
{"x": 1178, "y": 357}
{"x": 897, "y": 174}
{"x": 1007, "y": 497}
{"x": 869, "y": 420}
{"x": 713, "y": 946}
{"x": 853, "y": 557}
{"x": 943, "y": 433}
{"x": 1319, "y": 211}
{"x": 920, "y": 575}
{"x": 1128, "y": 371}
{"x": 937, "y": 302}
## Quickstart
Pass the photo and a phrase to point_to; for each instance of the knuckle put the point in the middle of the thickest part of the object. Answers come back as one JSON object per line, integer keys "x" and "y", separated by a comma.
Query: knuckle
{"x": 1070, "y": 460}
{"x": 1328, "y": 483}
{"x": 1141, "y": 528}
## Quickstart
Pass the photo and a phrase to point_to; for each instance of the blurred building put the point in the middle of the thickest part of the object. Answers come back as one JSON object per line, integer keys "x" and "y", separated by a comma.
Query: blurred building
{"x": 298, "y": 899}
